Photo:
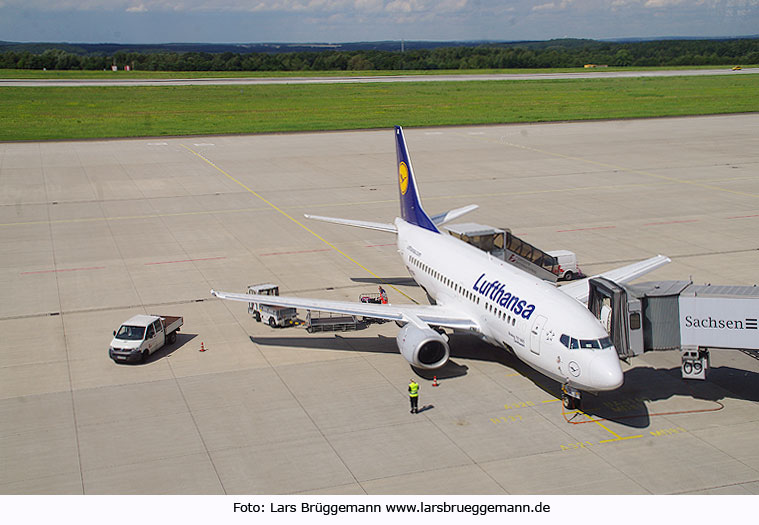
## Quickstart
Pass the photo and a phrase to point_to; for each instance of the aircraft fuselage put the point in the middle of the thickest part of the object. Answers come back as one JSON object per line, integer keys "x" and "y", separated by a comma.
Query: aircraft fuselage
{"x": 545, "y": 328}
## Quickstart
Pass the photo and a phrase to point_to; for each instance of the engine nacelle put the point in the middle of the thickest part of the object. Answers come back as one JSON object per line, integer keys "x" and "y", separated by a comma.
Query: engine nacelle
{"x": 423, "y": 347}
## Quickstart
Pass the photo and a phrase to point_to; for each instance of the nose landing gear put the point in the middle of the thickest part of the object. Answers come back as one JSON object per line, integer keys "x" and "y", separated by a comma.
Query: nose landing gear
{"x": 570, "y": 398}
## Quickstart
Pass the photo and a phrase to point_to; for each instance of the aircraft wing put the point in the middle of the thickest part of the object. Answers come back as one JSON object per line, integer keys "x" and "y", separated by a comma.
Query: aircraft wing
{"x": 625, "y": 274}
{"x": 436, "y": 315}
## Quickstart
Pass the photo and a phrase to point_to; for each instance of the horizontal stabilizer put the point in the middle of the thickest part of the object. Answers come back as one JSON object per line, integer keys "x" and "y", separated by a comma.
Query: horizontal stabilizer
{"x": 448, "y": 216}
{"x": 625, "y": 274}
{"x": 381, "y": 226}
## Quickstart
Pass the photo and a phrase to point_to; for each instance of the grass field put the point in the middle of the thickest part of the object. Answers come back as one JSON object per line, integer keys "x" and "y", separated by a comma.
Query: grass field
{"x": 46, "y": 113}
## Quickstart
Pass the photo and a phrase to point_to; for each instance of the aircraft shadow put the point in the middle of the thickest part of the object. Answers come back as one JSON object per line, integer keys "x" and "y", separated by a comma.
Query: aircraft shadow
{"x": 379, "y": 344}
{"x": 462, "y": 346}
{"x": 628, "y": 405}
{"x": 396, "y": 281}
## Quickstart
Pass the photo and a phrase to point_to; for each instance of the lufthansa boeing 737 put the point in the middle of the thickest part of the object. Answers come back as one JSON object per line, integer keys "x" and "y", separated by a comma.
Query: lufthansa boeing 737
{"x": 547, "y": 327}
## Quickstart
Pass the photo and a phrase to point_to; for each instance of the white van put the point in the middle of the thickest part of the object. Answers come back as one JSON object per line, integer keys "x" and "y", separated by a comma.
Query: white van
{"x": 567, "y": 260}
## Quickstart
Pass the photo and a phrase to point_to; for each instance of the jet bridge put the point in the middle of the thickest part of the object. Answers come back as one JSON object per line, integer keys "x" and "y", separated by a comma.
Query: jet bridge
{"x": 506, "y": 246}
{"x": 677, "y": 315}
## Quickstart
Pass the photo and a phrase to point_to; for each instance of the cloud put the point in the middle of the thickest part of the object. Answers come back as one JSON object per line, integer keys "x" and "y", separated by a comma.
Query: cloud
{"x": 553, "y": 6}
{"x": 545, "y": 7}
{"x": 285, "y": 6}
{"x": 670, "y": 3}
{"x": 709, "y": 4}
{"x": 353, "y": 20}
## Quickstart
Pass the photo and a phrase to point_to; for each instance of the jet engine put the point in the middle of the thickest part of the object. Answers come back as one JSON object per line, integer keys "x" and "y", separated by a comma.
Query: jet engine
{"x": 423, "y": 347}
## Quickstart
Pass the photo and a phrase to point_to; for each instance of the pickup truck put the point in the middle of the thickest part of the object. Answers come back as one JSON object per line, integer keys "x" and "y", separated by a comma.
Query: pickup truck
{"x": 142, "y": 335}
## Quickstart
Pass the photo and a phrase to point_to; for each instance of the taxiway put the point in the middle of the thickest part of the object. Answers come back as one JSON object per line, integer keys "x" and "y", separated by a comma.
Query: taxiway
{"x": 94, "y": 232}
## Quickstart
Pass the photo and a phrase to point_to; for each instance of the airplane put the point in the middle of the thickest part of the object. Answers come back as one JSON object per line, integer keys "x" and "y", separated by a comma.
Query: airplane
{"x": 545, "y": 326}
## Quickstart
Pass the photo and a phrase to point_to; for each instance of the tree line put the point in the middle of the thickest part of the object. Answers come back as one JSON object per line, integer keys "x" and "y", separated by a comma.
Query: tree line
{"x": 549, "y": 54}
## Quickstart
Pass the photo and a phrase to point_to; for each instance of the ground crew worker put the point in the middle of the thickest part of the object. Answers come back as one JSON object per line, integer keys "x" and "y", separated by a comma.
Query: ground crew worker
{"x": 413, "y": 395}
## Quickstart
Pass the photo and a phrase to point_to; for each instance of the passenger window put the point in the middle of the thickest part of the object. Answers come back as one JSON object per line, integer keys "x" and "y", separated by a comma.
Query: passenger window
{"x": 635, "y": 321}
{"x": 151, "y": 332}
{"x": 157, "y": 326}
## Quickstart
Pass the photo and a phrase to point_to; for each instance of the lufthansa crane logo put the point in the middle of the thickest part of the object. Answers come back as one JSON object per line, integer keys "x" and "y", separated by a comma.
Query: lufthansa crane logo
{"x": 403, "y": 177}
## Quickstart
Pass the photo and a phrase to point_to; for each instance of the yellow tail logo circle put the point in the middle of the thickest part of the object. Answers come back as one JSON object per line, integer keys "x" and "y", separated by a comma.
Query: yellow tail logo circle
{"x": 403, "y": 177}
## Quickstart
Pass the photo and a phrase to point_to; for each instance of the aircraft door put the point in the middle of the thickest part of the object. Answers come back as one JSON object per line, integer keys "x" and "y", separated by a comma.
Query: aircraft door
{"x": 535, "y": 333}
{"x": 150, "y": 337}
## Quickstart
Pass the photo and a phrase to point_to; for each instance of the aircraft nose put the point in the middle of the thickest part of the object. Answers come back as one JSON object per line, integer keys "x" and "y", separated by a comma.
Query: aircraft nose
{"x": 606, "y": 372}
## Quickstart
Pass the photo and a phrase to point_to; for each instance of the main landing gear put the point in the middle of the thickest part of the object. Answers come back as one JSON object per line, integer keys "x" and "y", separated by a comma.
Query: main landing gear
{"x": 570, "y": 398}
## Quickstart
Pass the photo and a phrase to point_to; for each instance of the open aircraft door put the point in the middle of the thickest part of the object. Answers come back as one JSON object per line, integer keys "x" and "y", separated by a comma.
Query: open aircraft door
{"x": 536, "y": 332}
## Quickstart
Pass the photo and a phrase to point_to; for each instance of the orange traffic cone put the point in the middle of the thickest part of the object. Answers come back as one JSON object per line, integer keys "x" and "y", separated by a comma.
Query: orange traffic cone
{"x": 434, "y": 381}
{"x": 202, "y": 348}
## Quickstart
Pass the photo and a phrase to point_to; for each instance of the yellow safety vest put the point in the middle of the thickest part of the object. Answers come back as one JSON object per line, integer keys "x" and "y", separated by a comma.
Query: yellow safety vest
{"x": 413, "y": 390}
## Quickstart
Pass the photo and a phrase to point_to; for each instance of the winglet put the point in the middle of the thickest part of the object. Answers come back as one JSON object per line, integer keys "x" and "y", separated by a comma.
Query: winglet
{"x": 411, "y": 207}
{"x": 579, "y": 289}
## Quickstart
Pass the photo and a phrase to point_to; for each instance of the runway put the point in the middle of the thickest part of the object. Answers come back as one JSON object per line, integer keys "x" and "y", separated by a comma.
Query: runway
{"x": 94, "y": 232}
{"x": 370, "y": 79}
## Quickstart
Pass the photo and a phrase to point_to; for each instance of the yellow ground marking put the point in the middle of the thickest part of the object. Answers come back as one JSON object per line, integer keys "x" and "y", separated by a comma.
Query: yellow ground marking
{"x": 617, "y": 437}
{"x": 293, "y": 219}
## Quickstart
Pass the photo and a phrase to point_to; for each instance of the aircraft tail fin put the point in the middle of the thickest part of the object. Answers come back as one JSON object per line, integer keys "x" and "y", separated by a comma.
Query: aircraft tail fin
{"x": 411, "y": 207}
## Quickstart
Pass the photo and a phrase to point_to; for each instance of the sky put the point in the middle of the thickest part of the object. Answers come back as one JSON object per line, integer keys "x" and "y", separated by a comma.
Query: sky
{"x": 301, "y": 21}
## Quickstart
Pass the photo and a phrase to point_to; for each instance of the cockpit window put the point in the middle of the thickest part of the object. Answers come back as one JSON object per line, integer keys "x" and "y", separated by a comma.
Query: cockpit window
{"x": 592, "y": 344}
